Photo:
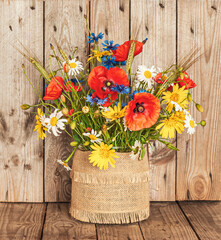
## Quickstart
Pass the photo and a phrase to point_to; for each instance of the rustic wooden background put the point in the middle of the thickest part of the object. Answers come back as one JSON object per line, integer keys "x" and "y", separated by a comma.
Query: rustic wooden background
{"x": 28, "y": 168}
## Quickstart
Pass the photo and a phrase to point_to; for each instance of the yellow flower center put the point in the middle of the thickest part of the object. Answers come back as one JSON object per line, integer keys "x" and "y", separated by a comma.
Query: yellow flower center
{"x": 92, "y": 137}
{"x": 104, "y": 153}
{"x": 65, "y": 164}
{"x": 73, "y": 65}
{"x": 192, "y": 124}
{"x": 147, "y": 74}
{"x": 53, "y": 121}
{"x": 175, "y": 97}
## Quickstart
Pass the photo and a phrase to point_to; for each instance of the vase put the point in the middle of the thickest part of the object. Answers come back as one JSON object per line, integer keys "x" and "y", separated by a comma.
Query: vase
{"x": 115, "y": 196}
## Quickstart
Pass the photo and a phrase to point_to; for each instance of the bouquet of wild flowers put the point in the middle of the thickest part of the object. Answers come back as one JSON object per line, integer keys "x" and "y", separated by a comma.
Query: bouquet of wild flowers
{"x": 109, "y": 109}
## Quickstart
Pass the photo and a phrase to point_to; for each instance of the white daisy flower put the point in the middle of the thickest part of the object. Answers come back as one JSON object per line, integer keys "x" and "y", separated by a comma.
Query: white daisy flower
{"x": 136, "y": 150}
{"x": 74, "y": 67}
{"x": 54, "y": 122}
{"x": 93, "y": 135}
{"x": 177, "y": 106}
{"x": 64, "y": 164}
{"x": 190, "y": 124}
{"x": 125, "y": 125}
{"x": 146, "y": 76}
{"x": 85, "y": 109}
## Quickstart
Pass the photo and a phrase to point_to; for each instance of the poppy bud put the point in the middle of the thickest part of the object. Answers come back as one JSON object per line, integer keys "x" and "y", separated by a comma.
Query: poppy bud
{"x": 64, "y": 111}
{"x": 25, "y": 106}
{"x": 203, "y": 123}
{"x": 66, "y": 68}
{"x": 199, "y": 107}
{"x": 73, "y": 125}
{"x": 86, "y": 143}
{"x": 189, "y": 97}
{"x": 63, "y": 99}
{"x": 73, "y": 144}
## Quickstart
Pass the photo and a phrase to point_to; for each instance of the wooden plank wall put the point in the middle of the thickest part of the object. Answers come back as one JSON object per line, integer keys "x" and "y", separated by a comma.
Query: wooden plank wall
{"x": 28, "y": 168}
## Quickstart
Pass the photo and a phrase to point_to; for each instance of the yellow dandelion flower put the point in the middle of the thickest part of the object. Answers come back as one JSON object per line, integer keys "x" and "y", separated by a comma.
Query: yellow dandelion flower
{"x": 178, "y": 95}
{"x": 98, "y": 55}
{"x": 102, "y": 155}
{"x": 39, "y": 127}
{"x": 169, "y": 125}
{"x": 114, "y": 113}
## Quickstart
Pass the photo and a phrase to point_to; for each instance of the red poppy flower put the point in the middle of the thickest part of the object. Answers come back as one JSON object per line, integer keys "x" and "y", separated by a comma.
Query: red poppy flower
{"x": 70, "y": 86}
{"x": 71, "y": 111}
{"x": 142, "y": 112}
{"x": 102, "y": 80}
{"x": 122, "y": 51}
{"x": 54, "y": 89}
{"x": 87, "y": 130}
{"x": 185, "y": 80}
{"x": 160, "y": 79}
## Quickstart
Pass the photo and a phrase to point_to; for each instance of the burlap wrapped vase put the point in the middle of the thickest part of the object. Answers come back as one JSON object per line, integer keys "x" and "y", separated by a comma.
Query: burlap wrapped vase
{"x": 114, "y": 196}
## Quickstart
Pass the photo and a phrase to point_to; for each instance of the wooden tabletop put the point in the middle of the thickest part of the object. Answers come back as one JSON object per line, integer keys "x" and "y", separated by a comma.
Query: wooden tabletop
{"x": 168, "y": 220}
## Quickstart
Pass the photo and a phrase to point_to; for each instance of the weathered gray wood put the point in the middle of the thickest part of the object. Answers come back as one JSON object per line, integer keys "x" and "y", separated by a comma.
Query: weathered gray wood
{"x": 21, "y": 221}
{"x": 21, "y": 152}
{"x": 59, "y": 225}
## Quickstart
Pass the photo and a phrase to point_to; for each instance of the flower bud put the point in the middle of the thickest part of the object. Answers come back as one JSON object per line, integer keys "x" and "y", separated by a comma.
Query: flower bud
{"x": 85, "y": 109}
{"x": 96, "y": 114}
{"x": 23, "y": 66}
{"x": 199, "y": 107}
{"x": 203, "y": 123}
{"x": 86, "y": 143}
{"x": 63, "y": 99}
{"x": 51, "y": 46}
{"x": 143, "y": 141}
{"x": 73, "y": 125}
{"x": 25, "y": 106}
{"x": 66, "y": 68}
{"x": 104, "y": 128}
{"x": 189, "y": 97}
{"x": 73, "y": 144}
{"x": 64, "y": 111}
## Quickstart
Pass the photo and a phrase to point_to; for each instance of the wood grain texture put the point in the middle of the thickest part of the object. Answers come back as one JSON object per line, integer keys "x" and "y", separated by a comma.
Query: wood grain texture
{"x": 157, "y": 21}
{"x": 116, "y": 232}
{"x": 64, "y": 23}
{"x": 166, "y": 221}
{"x": 21, "y": 221}
{"x": 111, "y": 18}
{"x": 21, "y": 152}
{"x": 205, "y": 218}
{"x": 59, "y": 225}
{"x": 198, "y": 164}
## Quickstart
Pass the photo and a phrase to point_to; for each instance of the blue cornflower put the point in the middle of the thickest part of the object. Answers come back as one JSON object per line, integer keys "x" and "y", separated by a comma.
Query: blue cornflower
{"x": 108, "y": 61}
{"x": 94, "y": 39}
{"x": 46, "y": 85}
{"x": 121, "y": 63}
{"x": 121, "y": 89}
{"x": 74, "y": 80}
{"x": 138, "y": 91}
{"x": 97, "y": 100}
{"x": 109, "y": 45}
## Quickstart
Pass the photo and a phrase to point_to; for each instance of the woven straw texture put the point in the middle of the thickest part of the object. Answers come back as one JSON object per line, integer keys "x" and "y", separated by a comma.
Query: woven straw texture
{"x": 114, "y": 196}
